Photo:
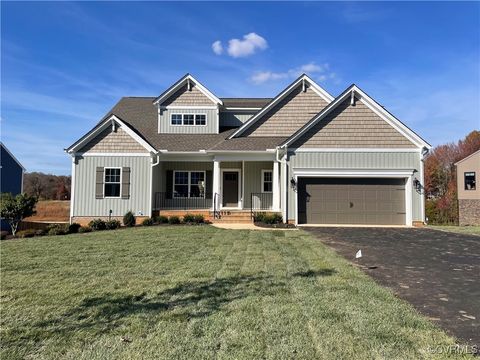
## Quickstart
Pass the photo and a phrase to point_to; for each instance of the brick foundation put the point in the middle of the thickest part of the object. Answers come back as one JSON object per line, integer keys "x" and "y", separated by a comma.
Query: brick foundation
{"x": 84, "y": 220}
{"x": 418, "y": 223}
{"x": 468, "y": 212}
{"x": 207, "y": 214}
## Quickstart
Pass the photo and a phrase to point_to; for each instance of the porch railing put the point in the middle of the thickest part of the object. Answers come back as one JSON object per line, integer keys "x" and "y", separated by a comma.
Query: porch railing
{"x": 260, "y": 202}
{"x": 166, "y": 201}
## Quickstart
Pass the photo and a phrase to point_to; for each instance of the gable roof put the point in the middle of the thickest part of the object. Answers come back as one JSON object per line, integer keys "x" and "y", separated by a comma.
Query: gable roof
{"x": 102, "y": 126}
{"x": 351, "y": 91}
{"x": 467, "y": 157}
{"x": 12, "y": 156}
{"x": 185, "y": 80}
{"x": 302, "y": 78}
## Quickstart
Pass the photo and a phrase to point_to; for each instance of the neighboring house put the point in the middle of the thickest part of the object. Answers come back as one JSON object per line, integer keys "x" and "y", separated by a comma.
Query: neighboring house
{"x": 11, "y": 176}
{"x": 468, "y": 192}
{"x": 313, "y": 158}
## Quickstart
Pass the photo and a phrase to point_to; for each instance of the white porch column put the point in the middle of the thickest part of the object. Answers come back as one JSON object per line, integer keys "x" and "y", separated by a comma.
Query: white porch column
{"x": 216, "y": 182}
{"x": 275, "y": 187}
{"x": 284, "y": 191}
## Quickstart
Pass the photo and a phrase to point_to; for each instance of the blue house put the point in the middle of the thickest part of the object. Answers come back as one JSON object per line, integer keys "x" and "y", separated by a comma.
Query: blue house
{"x": 11, "y": 175}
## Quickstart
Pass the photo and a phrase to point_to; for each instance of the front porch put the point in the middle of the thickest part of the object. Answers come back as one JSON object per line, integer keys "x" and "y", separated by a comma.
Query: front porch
{"x": 216, "y": 186}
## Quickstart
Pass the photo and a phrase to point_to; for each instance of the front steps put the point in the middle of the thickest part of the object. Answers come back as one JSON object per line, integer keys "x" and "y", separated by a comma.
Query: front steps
{"x": 232, "y": 217}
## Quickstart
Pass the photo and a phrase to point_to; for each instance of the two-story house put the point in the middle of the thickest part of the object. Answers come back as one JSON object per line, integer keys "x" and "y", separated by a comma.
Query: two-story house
{"x": 314, "y": 158}
{"x": 468, "y": 170}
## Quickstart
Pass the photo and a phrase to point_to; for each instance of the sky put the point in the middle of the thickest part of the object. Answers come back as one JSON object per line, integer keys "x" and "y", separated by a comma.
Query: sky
{"x": 64, "y": 64}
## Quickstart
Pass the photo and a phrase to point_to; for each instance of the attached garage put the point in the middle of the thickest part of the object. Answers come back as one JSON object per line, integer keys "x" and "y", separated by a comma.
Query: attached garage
{"x": 362, "y": 201}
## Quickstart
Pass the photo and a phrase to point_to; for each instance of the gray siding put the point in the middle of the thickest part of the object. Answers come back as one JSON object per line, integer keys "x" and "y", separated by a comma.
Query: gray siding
{"x": 353, "y": 160}
{"x": 235, "y": 118}
{"x": 167, "y": 128}
{"x": 253, "y": 179}
{"x": 85, "y": 203}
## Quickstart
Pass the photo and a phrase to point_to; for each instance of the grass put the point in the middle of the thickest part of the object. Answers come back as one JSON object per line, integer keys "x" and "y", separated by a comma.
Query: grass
{"x": 51, "y": 210}
{"x": 198, "y": 293}
{"x": 471, "y": 230}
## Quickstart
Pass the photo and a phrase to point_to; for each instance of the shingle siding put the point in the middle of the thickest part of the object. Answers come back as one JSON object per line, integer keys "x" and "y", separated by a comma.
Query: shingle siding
{"x": 109, "y": 141}
{"x": 183, "y": 96}
{"x": 352, "y": 126}
{"x": 289, "y": 115}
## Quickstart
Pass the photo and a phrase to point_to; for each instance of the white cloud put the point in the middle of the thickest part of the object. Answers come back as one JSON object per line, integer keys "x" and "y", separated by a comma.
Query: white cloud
{"x": 320, "y": 71}
{"x": 247, "y": 46}
{"x": 217, "y": 47}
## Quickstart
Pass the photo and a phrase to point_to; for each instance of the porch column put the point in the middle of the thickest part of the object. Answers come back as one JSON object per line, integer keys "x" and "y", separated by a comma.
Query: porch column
{"x": 284, "y": 191}
{"x": 275, "y": 187}
{"x": 216, "y": 181}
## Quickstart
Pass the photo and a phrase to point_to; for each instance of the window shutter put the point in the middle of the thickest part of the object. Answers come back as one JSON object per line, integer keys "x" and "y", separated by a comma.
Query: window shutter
{"x": 208, "y": 184}
{"x": 99, "y": 183}
{"x": 169, "y": 184}
{"x": 126, "y": 183}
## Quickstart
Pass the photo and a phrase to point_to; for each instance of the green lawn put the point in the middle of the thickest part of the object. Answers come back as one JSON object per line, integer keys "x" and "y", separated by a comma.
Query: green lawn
{"x": 199, "y": 293}
{"x": 471, "y": 230}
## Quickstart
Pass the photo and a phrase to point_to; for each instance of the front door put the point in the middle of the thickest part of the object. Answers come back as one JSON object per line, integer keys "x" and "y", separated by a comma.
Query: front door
{"x": 230, "y": 189}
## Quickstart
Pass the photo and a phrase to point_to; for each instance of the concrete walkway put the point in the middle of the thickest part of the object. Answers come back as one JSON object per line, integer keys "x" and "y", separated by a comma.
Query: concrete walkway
{"x": 245, "y": 226}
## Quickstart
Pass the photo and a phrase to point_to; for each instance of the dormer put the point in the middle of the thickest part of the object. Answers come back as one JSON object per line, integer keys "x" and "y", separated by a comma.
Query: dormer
{"x": 188, "y": 107}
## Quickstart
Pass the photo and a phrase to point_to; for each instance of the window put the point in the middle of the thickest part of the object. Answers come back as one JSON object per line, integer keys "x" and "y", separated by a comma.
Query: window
{"x": 188, "y": 119}
{"x": 200, "y": 119}
{"x": 176, "y": 119}
{"x": 470, "y": 181}
{"x": 267, "y": 181}
{"x": 188, "y": 184}
{"x": 112, "y": 182}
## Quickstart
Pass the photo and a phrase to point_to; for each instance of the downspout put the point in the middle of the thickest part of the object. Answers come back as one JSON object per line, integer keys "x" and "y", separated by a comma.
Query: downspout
{"x": 423, "y": 155}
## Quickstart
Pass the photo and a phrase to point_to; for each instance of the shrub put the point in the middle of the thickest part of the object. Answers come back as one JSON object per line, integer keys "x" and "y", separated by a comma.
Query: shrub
{"x": 173, "y": 220}
{"x": 73, "y": 228}
{"x": 40, "y": 232}
{"x": 189, "y": 218}
{"x": 97, "y": 225}
{"x": 25, "y": 233}
{"x": 57, "y": 229}
{"x": 84, "y": 229}
{"x": 112, "y": 224}
{"x": 15, "y": 209}
{"x": 129, "y": 219}
{"x": 199, "y": 219}
{"x": 268, "y": 218}
{"x": 161, "y": 219}
{"x": 148, "y": 222}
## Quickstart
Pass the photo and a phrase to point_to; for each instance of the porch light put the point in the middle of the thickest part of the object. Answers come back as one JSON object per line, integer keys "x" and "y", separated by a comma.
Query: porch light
{"x": 417, "y": 185}
{"x": 293, "y": 183}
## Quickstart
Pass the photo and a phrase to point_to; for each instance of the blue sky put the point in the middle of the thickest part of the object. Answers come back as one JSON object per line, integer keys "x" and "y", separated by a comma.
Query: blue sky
{"x": 64, "y": 65}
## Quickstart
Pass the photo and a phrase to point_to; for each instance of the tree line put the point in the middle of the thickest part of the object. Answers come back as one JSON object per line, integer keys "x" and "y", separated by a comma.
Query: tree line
{"x": 441, "y": 205}
{"x": 47, "y": 186}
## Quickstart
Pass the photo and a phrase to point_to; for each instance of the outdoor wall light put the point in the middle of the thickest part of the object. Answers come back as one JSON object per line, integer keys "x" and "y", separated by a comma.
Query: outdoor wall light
{"x": 293, "y": 183}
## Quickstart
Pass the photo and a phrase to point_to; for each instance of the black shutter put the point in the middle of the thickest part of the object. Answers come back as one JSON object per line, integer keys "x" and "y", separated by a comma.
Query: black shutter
{"x": 208, "y": 184}
{"x": 169, "y": 184}
{"x": 99, "y": 183}
{"x": 126, "y": 183}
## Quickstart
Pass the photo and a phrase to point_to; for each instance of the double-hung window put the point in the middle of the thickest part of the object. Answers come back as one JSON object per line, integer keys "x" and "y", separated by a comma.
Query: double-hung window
{"x": 112, "y": 182}
{"x": 200, "y": 119}
{"x": 188, "y": 119}
{"x": 188, "y": 184}
{"x": 267, "y": 181}
{"x": 176, "y": 119}
{"x": 470, "y": 183}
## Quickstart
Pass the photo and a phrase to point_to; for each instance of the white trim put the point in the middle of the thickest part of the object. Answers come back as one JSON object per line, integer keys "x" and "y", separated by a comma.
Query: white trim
{"x": 422, "y": 195}
{"x": 370, "y": 103}
{"x": 189, "y": 184}
{"x": 105, "y": 182}
{"x": 102, "y": 126}
{"x": 187, "y": 78}
{"x": 243, "y": 185}
{"x": 183, "y": 119}
{"x": 222, "y": 170}
{"x": 341, "y": 173}
{"x": 231, "y": 109}
{"x": 13, "y": 156}
{"x": 284, "y": 180}
{"x": 188, "y": 107}
{"x": 468, "y": 157}
{"x": 87, "y": 154}
{"x": 72, "y": 189}
{"x": 321, "y": 92}
{"x": 382, "y": 150}
{"x": 275, "y": 187}
{"x": 216, "y": 184}
{"x": 262, "y": 181}
{"x": 247, "y": 156}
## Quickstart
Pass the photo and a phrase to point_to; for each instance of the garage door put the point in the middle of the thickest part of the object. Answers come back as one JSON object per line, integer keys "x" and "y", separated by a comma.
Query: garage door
{"x": 351, "y": 201}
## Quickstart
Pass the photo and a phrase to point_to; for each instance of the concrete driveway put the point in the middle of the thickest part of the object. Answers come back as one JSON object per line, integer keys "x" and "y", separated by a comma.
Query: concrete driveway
{"x": 436, "y": 271}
